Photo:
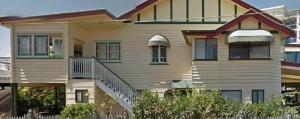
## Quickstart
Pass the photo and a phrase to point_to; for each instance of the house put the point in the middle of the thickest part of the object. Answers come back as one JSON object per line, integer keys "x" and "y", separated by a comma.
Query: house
{"x": 161, "y": 45}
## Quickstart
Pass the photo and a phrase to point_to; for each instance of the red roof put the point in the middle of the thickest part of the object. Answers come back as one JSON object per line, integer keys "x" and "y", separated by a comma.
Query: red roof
{"x": 250, "y": 13}
{"x": 283, "y": 63}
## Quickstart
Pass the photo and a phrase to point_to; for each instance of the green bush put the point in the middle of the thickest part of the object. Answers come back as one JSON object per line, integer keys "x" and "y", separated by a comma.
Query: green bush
{"x": 78, "y": 111}
{"x": 202, "y": 104}
{"x": 195, "y": 104}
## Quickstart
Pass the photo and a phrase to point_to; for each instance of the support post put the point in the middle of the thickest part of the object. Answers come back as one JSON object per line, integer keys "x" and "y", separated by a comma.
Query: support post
{"x": 14, "y": 98}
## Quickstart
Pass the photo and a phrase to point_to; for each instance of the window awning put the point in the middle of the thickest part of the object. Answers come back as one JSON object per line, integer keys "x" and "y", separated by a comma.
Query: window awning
{"x": 158, "y": 40}
{"x": 241, "y": 36}
{"x": 182, "y": 84}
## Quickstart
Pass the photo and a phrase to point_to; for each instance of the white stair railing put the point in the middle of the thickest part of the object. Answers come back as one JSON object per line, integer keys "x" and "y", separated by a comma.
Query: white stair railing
{"x": 92, "y": 68}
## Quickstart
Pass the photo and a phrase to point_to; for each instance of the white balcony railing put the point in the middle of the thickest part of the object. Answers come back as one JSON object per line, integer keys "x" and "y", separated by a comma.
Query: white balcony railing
{"x": 4, "y": 66}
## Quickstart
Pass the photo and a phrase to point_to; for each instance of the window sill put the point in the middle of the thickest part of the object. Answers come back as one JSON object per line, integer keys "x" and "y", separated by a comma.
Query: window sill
{"x": 205, "y": 60}
{"x": 252, "y": 59}
{"x": 162, "y": 63}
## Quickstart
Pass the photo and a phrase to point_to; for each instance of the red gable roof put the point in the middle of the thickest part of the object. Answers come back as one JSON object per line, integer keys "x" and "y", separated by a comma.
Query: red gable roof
{"x": 260, "y": 17}
{"x": 250, "y": 13}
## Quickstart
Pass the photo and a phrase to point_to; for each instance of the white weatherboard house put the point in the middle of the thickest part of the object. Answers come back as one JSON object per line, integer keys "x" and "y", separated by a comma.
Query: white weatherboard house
{"x": 160, "y": 45}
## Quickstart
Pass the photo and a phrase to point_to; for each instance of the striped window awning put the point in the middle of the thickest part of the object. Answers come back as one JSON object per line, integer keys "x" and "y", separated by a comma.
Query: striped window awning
{"x": 241, "y": 36}
{"x": 182, "y": 84}
{"x": 158, "y": 40}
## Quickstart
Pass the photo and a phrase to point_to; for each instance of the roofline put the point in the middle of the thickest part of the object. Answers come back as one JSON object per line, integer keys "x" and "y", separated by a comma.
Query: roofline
{"x": 137, "y": 8}
{"x": 58, "y": 16}
{"x": 123, "y": 16}
{"x": 250, "y": 13}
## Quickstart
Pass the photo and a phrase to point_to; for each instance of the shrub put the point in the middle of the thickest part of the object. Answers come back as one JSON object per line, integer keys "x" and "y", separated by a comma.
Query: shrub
{"x": 202, "y": 104}
{"x": 195, "y": 104}
{"x": 78, "y": 111}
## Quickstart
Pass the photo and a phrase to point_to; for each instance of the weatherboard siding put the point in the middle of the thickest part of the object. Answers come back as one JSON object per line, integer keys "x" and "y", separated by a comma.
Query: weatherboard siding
{"x": 32, "y": 70}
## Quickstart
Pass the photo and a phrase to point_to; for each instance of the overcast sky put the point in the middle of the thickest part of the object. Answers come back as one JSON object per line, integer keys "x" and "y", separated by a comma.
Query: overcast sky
{"x": 117, "y": 7}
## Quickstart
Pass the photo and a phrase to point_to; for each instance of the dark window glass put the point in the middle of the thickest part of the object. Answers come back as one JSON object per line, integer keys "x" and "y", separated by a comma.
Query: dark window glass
{"x": 249, "y": 51}
{"x": 258, "y": 96}
{"x": 155, "y": 54}
{"x": 81, "y": 96}
{"x": 232, "y": 94}
{"x": 206, "y": 49}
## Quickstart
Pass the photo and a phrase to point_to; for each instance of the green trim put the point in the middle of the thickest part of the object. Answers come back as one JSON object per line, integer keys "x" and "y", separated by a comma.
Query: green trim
{"x": 219, "y": 11}
{"x": 259, "y": 25}
{"x": 154, "y": 15}
{"x": 235, "y": 10}
{"x": 203, "y": 11}
{"x": 168, "y": 22}
{"x": 138, "y": 17}
{"x": 171, "y": 10}
{"x": 240, "y": 25}
{"x": 187, "y": 10}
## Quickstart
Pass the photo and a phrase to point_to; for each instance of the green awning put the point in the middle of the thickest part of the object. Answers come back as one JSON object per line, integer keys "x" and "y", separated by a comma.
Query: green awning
{"x": 182, "y": 84}
{"x": 241, "y": 36}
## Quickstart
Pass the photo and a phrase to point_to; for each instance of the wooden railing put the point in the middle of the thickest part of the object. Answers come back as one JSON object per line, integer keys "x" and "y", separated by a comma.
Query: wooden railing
{"x": 92, "y": 68}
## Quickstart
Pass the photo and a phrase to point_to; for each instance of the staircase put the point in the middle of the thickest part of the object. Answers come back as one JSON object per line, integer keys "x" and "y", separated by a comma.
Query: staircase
{"x": 105, "y": 79}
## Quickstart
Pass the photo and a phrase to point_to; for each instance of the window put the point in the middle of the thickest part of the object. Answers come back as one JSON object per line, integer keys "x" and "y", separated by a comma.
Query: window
{"x": 38, "y": 45}
{"x": 159, "y": 54}
{"x": 232, "y": 94}
{"x": 292, "y": 57}
{"x": 258, "y": 96}
{"x": 56, "y": 49}
{"x": 24, "y": 45}
{"x": 249, "y": 51}
{"x": 108, "y": 51}
{"x": 205, "y": 49}
{"x": 81, "y": 96}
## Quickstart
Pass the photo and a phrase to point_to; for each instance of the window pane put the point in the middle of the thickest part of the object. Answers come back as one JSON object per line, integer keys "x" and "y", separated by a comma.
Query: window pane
{"x": 212, "y": 49}
{"x": 257, "y": 96}
{"x": 40, "y": 45}
{"x": 238, "y": 51}
{"x": 200, "y": 49}
{"x": 24, "y": 44}
{"x": 290, "y": 56}
{"x": 101, "y": 51}
{"x": 114, "y": 51}
{"x": 155, "y": 54}
{"x": 236, "y": 95}
{"x": 163, "y": 54}
{"x": 57, "y": 48}
{"x": 260, "y": 51}
{"x": 82, "y": 96}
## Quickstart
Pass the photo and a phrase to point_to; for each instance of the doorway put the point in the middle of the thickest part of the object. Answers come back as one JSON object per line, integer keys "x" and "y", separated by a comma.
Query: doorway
{"x": 78, "y": 48}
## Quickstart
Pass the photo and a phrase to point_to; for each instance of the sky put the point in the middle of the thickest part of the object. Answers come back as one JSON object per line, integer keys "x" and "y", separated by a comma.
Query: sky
{"x": 117, "y": 7}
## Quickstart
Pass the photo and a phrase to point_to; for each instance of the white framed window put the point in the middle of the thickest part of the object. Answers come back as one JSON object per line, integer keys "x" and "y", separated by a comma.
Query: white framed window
{"x": 108, "y": 51}
{"x": 38, "y": 46}
{"x": 159, "y": 54}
